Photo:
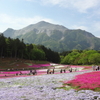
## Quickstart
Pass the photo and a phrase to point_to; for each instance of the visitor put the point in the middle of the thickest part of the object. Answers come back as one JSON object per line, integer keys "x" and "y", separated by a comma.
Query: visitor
{"x": 75, "y": 69}
{"x": 48, "y": 71}
{"x": 16, "y": 74}
{"x": 53, "y": 71}
{"x": 61, "y": 71}
{"x": 20, "y": 73}
{"x": 96, "y": 67}
{"x": 70, "y": 70}
{"x": 35, "y": 72}
{"x": 31, "y": 72}
{"x": 64, "y": 71}
{"x": 93, "y": 67}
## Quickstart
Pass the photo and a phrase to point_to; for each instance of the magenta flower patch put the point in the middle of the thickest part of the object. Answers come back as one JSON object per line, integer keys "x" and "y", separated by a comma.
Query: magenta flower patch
{"x": 39, "y": 65}
{"x": 86, "y": 81}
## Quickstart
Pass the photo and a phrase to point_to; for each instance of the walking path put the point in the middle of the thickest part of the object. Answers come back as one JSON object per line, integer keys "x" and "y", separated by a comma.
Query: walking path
{"x": 10, "y": 74}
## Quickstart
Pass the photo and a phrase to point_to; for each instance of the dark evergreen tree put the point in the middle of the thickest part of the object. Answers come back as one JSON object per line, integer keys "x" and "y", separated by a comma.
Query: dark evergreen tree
{"x": 2, "y": 45}
{"x": 50, "y": 55}
{"x": 10, "y": 44}
{"x": 16, "y": 47}
{"x": 29, "y": 48}
{"x": 22, "y": 48}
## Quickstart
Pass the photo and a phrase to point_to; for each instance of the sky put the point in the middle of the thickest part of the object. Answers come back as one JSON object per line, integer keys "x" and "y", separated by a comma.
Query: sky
{"x": 73, "y": 14}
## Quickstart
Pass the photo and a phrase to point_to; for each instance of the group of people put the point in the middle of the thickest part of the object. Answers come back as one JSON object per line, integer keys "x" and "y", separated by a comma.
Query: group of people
{"x": 63, "y": 70}
{"x": 95, "y": 67}
{"x": 32, "y": 72}
{"x": 52, "y": 71}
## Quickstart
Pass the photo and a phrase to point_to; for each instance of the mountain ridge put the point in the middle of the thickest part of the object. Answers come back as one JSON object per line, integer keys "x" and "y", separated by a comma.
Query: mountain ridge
{"x": 42, "y": 26}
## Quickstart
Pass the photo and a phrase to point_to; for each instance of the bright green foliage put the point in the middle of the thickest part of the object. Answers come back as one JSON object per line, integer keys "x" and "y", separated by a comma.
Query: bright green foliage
{"x": 94, "y": 58}
{"x": 71, "y": 58}
{"x": 82, "y": 58}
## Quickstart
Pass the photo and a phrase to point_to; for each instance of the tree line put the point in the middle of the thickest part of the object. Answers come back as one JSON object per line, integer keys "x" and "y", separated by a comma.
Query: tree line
{"x": 80, "y": 57}
{"x": 16, "y": 48}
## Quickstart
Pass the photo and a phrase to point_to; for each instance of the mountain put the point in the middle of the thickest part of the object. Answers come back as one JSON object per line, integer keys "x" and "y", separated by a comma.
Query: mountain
{"x": 41, "y": 27}
{"x": 9, "y": 32}
{"x": 56, "y": 37}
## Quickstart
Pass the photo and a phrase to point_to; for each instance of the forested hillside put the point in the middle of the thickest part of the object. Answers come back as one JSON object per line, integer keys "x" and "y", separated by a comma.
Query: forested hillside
{"x": 15, "y": 48}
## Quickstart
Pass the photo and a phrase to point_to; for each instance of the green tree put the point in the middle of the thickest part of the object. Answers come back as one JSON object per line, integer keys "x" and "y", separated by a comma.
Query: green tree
{"x": 38, "y": 54}
{"x": 71, "y": 58}
{"x": 84, "y": 57}
{"x": 94, "y": 58}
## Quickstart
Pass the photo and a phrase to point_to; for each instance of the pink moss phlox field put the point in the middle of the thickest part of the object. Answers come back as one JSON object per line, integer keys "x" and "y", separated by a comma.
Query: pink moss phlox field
{"x": 86, "y": 81}
{"x": 14, "y": 72}
{"x": 39, "y": 65}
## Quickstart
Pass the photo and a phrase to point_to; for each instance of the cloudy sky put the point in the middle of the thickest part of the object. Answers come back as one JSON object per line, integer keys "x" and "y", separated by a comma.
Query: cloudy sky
{"x": 73, "y": 14}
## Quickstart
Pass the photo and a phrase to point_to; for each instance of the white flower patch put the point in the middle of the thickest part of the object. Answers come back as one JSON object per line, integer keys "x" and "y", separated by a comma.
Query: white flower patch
{"x": 59, "y": 66}
{"x": 80, "y": 68}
